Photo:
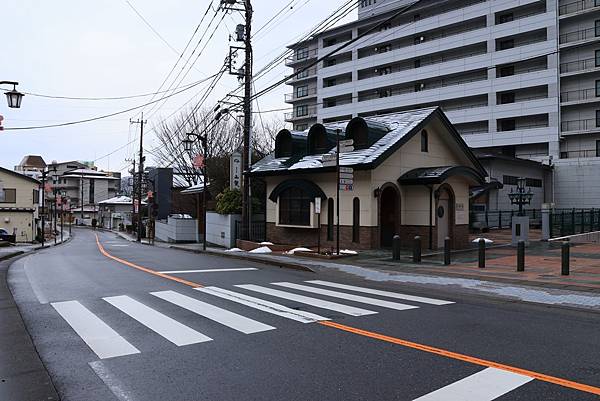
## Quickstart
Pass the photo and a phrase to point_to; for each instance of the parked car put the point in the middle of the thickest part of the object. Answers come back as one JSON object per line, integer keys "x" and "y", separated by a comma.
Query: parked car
{"x": 4, "y": 235}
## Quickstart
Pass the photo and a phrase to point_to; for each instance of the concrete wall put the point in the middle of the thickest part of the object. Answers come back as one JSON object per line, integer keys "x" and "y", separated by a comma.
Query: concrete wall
{"x": 577, "y": 183}
{"x": 177, "y": 230}
{"x": 220, "y": 229}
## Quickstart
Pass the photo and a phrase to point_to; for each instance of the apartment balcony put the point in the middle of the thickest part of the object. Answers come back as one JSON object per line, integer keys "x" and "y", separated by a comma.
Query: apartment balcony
{"x": 310, "y": 73}
{"x": 302, "y": 95}
{"x": 301, "y": 114}
{"x": 579, "y": 67}
{"x": 578, "y": 7}
{"x": 301, "y": 57}
{"x": 580, "y": 154}
{"x": 579, "y": 126}
{"x": 579, "y": 37}
{"x": 579, "y": 96}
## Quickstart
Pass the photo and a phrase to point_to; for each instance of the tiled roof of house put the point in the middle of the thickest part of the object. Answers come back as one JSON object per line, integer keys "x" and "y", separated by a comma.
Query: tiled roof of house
{"x": 33, "y": 161}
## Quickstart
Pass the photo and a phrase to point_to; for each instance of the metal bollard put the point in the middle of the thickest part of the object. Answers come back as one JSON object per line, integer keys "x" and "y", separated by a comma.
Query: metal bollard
{"x": 447, "y": 251}
{"x": 417, "y": 249}
{"x": 565, "y": 258}
{"x": 521, "y": 256}
{"x": 396, "y": 247}
{"x": 481, "y": 253}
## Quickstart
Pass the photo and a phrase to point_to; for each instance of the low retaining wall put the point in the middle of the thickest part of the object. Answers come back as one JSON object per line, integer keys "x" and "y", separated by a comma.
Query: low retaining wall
{"x": 177, "y": 230}
{"x": 220, "y": 228}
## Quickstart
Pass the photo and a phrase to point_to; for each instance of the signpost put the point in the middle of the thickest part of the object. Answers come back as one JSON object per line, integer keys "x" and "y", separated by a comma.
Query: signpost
{"x": 235, "y": 169}
{"x": 318, "y": 212}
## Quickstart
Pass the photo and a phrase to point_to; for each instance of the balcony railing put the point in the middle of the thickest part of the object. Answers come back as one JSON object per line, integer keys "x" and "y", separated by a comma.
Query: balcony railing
{"x": 298, "y": 57}
{"x": 309, "y": 73}
{"x": 579, "y": 65}
{"x": 578, "y": 36}
{"x": 577, "y": 6}
{"x": 289, "y": 97}
{"x": 580, "y": 125}
{"x": 576, "y": 154}
{"x": 300, "y": 114}
{"x": 581, "y": 94}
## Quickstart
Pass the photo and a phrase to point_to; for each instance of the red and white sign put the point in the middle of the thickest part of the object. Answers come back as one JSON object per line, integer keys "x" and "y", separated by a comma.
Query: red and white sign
{"x": 198, "y": 161}
{"x": 48, "y": 187}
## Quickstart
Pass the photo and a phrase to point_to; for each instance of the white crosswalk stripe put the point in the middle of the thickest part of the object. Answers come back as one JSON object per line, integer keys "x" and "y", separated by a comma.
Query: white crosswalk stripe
{"x": 349, "y": 297}
{"x": 178, "y": 333}
{"x": 425, "y": 300}
{"x": 99, "y": 336}
{"x": 219, "y": 315}
{"x": 319, "y": 303}
{"x": 486, "y": 385}
{"x": 265, "y": 306}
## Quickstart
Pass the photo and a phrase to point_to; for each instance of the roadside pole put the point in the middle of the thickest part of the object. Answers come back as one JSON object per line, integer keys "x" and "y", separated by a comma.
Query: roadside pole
{"x": 318, "y": 212}
{"x": 337, "y": 188}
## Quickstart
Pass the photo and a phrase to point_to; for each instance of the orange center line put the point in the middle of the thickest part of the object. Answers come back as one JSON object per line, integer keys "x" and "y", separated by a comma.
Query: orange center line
{"x": 465, "y": 358}
{"x": 145, "y": 269}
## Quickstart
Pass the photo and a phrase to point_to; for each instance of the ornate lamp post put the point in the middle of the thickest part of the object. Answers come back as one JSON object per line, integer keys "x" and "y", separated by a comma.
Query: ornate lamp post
{"x": 520, "y": 197}
{"x": 13, "y": 96}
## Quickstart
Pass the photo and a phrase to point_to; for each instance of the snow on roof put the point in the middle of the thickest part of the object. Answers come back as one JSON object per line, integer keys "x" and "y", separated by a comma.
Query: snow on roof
{"x": 118, "y": 200}
{"x": 398, "y": 124}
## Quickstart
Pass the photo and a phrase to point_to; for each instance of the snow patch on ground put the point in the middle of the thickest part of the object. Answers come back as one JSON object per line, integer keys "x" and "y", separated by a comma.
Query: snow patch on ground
{"x": 262, "y": 249}
{"x": 348, "y": 252}
{"x": 234, "y": 250}
{"x": 266, "y": 243}
{"x": 293, "y": 251}
{"x": 487, "y": 241}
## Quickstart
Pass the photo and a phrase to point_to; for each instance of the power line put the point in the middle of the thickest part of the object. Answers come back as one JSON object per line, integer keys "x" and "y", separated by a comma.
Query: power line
{"x": 151, "y": 27}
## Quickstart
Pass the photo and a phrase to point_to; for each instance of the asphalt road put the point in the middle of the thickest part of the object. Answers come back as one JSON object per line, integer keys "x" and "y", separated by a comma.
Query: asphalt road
{"x": 109, "y": 329}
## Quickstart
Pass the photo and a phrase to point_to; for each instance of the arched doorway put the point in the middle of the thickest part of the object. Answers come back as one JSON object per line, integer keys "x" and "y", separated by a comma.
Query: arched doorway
{"x": 389, "y": 212}
{"x": 444, "y": 214}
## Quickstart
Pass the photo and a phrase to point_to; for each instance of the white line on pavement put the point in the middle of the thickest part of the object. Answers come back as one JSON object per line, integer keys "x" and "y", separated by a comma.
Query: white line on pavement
{"x": 99, "y": 336}
{"x": 265, "y": 306}
{"x": 319, "y": 303}
{"x": 208, "y": 270}
{"x": 485, "y": 385}
{"x": 222, "y": 316}
{"x": 179, "y": 334}
{"x": 390, "y": 294}
{"x": 349, "y": 297}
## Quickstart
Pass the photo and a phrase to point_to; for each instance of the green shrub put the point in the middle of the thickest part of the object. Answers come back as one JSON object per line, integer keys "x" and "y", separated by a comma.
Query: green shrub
{"x": 229, "y": 201}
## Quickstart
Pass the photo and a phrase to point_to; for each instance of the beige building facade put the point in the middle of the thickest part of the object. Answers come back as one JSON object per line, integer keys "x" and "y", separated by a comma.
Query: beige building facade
{"x": 411, "y": 176}
{"x": 19, "y": 201}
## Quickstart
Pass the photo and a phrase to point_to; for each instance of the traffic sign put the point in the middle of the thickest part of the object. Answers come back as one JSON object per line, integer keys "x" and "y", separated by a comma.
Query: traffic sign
{"x": 346, "y": 170}
{"x": 346, "y": 149}
{"x": 317, "y": 205}
{"x": 347, "y": 142}
{"x": 345, "y": 181}
{"x": 346, "y": 187}
{"x": 348, "y": 176}
{"x": 329, "y": 157}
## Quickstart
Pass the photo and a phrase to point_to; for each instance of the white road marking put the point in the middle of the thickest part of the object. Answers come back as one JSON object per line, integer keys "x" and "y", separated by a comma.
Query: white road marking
{"x": 179, "y": 334}
{"x": 118, "y": 245}
{"x": 319, "y": 303}
{"x": 99, "y": 336}
{"x": 349, "y": 297}
{"x": 225, "y": 317}
{"x": 265, "y": 306}
{"x": 112, "y": 381}
{"x": 486, "y": 385}
{"x": 208, "y": 270}
{"x": 389, "y": 294}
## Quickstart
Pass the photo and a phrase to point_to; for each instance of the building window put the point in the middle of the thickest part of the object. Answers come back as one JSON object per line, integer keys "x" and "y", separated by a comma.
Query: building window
{"x": 507, "y": 71}
{"x": 597, "y": 25}
{"x": 597, "y": 53}
{"x": 597, "y": 148}
{"x": 384, "y": 93}
{"x": 330, "y": 62}
{"x": 417, "y": 63}
{"x": 504, "y": 18}
{"x": 597, "y": 118}
{"x": 301, "y": 127}
{"x": 508, "y": 97}
{"x": 416, "y": 17}
{"x": 302, "y": 74}
{"x": 533, "y": 182}
{"x": 508, "y": 124}
{"x": 597, "y": 87}
{"x": 302, "y": 110}
{"x": 383, "y": 48}
{"x": 383, "y": 70}
{"x": 330, "y": 219}
{"x": 294, "y": 207}
{"x": 424, "y": 141}
{"x": 330, "y": 103}
{"x": 419, "y": 86}
{"x": 91, "y": 197}
{"x": 356, "y": 220}
{"x": 301, "y": 54}
{"x": 36, "y": 196}
{"x": 509, "y": 180}
{"x": 507, "y": 44}
{"x": 302, "y": 91}
{"x": 9, "y": 195}
{"x": 419, "y": 39}
{"x": 330, "y": 82}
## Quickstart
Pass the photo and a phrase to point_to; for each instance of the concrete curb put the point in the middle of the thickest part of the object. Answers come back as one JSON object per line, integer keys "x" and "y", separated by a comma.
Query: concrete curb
{"x": 11, "y": 255}
{"x": 245, "y": 256}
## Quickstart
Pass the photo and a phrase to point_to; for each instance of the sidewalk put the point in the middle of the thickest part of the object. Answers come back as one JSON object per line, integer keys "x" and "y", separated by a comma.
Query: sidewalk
{"x": 11, "y": 251}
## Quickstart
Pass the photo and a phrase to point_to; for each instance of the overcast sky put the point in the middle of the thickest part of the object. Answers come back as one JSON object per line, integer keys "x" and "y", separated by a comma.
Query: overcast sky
{"x": 104, "y": 49}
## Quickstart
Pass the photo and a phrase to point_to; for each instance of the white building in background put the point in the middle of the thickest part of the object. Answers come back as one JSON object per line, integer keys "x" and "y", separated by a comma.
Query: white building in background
{"x": 516, "y": 77}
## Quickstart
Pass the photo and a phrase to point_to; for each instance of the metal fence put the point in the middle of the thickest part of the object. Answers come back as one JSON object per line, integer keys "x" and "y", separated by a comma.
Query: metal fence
{"x": 499, "y": 219}
{"x": 573, "y": 221}
{"x": 257, "y": 232}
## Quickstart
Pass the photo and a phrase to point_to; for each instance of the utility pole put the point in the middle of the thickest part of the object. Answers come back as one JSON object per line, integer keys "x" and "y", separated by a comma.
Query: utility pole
{"x": 82, "y": 198}
{"x": 140, "y": 176}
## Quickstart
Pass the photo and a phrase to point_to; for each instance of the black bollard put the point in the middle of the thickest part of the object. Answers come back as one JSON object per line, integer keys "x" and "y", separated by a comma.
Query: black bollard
{"x": 481, "y": 253}
{"x": 396, "y": 247}
{"x": 447, "y": 251}
{"x": 565, "y": 258}
{"x": 417, "y": 249}
{"x": 521, "y": 256}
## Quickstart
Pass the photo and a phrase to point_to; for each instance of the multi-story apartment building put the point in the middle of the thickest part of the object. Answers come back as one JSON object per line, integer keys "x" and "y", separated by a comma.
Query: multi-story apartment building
{"x": 516, "y": 77}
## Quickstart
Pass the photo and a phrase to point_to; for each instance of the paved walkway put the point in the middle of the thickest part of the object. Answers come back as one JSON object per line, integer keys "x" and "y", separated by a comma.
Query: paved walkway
{"x": 9, "y": 251}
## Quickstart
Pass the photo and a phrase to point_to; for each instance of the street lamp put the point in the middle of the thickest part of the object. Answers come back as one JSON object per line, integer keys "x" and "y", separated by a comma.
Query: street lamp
{"x": 14, "y": 97}
{"x": 520, "y": 197}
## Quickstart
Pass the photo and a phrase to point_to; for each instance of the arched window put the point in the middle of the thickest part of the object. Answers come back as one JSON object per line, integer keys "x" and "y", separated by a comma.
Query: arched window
{"x": 283, "y": 144}
{"x": 356, "y": 220}
{"x": 330, "y": 219}
{"x": 294, "y": 207}
{"x": 424, "y": 141}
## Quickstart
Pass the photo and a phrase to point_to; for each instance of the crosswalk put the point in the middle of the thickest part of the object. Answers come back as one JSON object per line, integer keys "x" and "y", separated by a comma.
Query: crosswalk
{"x": 104, "y": 340}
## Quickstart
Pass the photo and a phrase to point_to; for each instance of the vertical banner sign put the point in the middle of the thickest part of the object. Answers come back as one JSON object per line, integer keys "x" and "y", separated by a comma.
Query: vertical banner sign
{"x": 198, "y": 161}
{"x": 136, "y": 206}
{"x": 235, "y": 171}
{"x": 318, "y": 205}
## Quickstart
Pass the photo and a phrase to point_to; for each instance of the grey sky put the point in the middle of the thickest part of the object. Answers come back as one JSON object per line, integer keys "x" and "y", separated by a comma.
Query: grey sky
{"x": 103, "y": 49}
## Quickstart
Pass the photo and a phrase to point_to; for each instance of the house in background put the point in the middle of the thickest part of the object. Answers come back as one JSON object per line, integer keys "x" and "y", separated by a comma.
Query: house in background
{"x": 19, "y": 201}
{"x": 31, "y": 166}
{"x": 411, "y": 176}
